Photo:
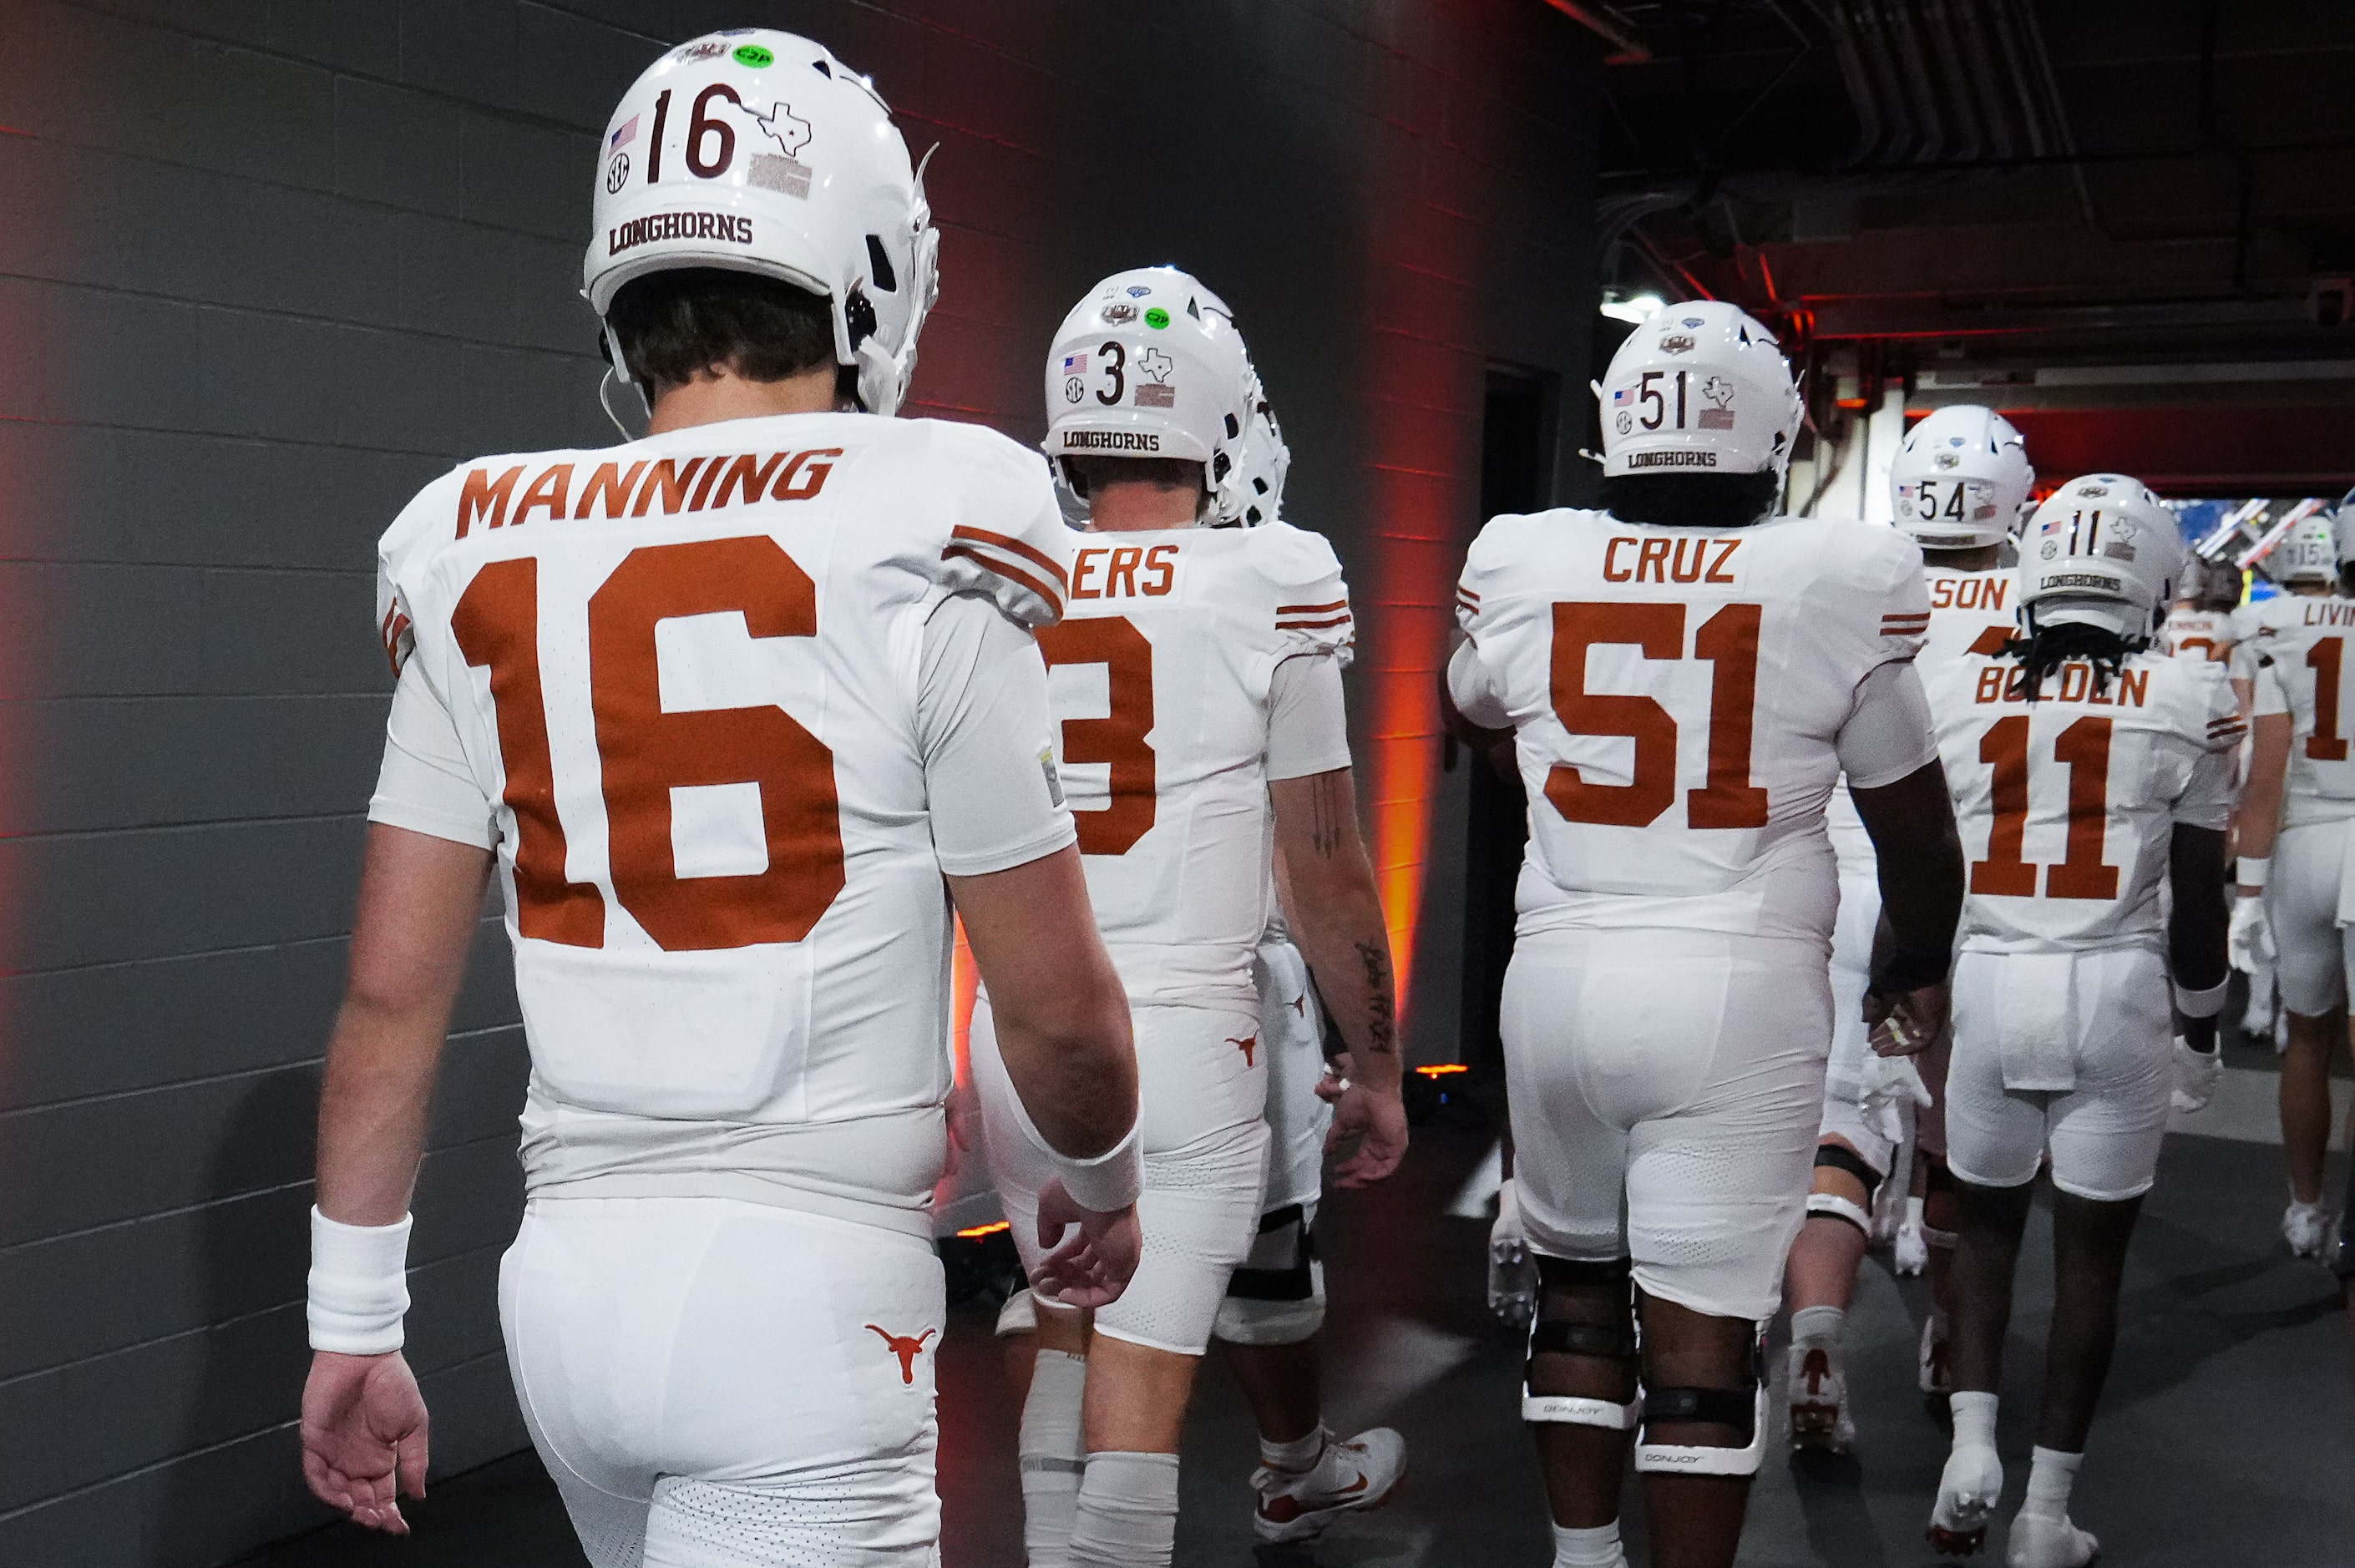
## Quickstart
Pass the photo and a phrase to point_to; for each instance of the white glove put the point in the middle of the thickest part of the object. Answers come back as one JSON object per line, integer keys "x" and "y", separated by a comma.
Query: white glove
{"x": 1512, "y": 1274}
{"x": 1890, "y": 1082}
{"x": 2249, "y": 941}
{"x": 1910, "y": 1254}
{"x": 2196, "y": 1074}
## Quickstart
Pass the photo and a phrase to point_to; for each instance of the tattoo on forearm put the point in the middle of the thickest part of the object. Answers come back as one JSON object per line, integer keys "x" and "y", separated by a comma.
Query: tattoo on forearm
{"x": 1326, "y": 806}
{"x": 1376, "y": 956}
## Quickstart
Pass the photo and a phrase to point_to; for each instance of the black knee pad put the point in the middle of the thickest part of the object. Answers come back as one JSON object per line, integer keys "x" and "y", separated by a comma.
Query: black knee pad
{"x": 1557, "y": 1336}
{"x": 1841, "y": 1157}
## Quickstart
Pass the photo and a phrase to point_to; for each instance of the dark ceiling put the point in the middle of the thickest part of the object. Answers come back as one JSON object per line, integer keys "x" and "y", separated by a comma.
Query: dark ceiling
{"x": 2130, "y": 222}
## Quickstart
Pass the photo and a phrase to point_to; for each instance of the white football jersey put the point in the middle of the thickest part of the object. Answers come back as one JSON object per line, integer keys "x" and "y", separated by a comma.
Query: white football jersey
{"x": 1164, "y": 679}
{"x": 689, "y": 681}
{"x": 1969, "y": 612}
{"x": 2294, "y": 652}
{"x": 1677, "y": 696}
{"x": 2198, "y": 634}
{"x": 2067, "y": 805}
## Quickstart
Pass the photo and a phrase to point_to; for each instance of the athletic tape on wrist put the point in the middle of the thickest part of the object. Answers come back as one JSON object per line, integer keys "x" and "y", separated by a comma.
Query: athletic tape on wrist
{"x": 2205, "y": 1003}
{"x": 359, "y": 1285}
{"x": 2250, "y": 873}
{"x": 1111, "y": 1181}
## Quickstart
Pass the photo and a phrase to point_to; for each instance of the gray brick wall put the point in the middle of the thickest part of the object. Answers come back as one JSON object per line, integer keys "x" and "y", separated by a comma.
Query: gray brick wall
{"x": 267, "y": 266}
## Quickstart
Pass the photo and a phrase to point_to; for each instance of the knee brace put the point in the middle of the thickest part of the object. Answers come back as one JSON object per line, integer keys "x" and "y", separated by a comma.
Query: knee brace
{"x": 1744, "y": 1409}
{"x": 1937, "y": 1182}
{"x": 1553, "y": 1336}
{"x": 1840, "y": 1156}
{"x": 1277, "y": 1296}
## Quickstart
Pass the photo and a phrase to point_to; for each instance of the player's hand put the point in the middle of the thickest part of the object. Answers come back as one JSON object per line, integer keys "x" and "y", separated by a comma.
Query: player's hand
{"x": 2249, "y": 941}
{"x": 1376, "y": 1120}
{"x": 1907, "y": 1024}
{"x": 1097, "y": 1254}
{"x": 1889, "y": 1082}
{"x": 2197, "y": 1070}
{"x": 364, "y": 1437}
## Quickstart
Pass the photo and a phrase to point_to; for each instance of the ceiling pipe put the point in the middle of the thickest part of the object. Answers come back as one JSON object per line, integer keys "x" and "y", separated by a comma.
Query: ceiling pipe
{"x": 1632, "y": 49}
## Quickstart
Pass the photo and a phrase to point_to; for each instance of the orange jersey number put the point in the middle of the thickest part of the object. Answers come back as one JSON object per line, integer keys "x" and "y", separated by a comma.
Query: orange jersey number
{"x": 1118, "y": 738}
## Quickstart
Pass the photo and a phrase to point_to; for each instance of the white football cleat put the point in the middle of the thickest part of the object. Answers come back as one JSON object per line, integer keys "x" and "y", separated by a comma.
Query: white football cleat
{"x": 1909, "y": 1255}
{"x": 1930, "y": 1368}
{"x": 1968, "y": 1492}
{"x": 2305, "y": 1226}
{"x": 1819, "y": 1418}
{"x": 2043, "y": 1541}
{"x": 1359, "y": 1474}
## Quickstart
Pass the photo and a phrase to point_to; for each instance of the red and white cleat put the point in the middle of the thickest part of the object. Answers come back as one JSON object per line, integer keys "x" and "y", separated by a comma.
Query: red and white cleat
{"x": 2045, "y": 1540}
{"x": 1360, "y": 1474}
{"x": 1968, "y": 1492}
{"x": 1819, "y": 1418}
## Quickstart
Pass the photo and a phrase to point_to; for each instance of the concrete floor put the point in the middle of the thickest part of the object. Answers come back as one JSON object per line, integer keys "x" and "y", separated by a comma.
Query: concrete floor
{"x": 2223, "y": 1438}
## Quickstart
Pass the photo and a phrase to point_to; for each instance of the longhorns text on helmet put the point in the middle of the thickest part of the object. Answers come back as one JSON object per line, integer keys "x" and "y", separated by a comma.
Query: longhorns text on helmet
{"x": 1149, "y": 364}
{"x": 1698, "y": 388}
{"x": 2103, "y": 550}
{"x": 758, "y": 151}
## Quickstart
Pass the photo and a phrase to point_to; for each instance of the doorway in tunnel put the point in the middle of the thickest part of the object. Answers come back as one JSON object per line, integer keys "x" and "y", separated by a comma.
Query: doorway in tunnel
{"x": 1519, "y": 420}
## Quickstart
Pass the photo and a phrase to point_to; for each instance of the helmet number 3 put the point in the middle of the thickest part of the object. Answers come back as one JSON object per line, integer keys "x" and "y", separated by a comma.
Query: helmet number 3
{"x": 1108, "y": 396}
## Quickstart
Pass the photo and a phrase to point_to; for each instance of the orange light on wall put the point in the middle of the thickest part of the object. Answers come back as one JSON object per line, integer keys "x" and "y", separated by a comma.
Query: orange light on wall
{"x": 973, "y": 1233}
{"x": 1441, "y": 1069}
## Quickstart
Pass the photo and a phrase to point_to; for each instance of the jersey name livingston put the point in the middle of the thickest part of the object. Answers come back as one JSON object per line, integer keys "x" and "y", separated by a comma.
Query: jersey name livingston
{"x": 1677, "y": 695}
{"x": 2067, "y": 805}
{"x": 1161, "y": 676}
{"x": 2294, "y": 652}
{"x": 685, "y": 674}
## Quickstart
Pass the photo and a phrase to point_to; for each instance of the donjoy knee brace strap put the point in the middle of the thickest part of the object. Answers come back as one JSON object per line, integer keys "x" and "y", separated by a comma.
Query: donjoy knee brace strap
{"x": 1570, "y": 1336}
{"x": 1739, "y": 1408}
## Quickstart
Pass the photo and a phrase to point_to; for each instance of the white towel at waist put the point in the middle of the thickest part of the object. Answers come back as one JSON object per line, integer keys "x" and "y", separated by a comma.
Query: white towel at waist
{"x": 2036, "y": 1018}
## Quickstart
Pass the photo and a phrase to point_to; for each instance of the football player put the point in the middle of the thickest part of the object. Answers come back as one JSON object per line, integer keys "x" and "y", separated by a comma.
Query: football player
{"x": 2089, "y": 768}
{"x": 722, "y": 708}
{"x": 2292, "y": 831}
{"x": 1197, "y": 677}
{"x": 1957, "y": 484}
{"x": 2200, "y": 626}
{"x": 1271, "y": 1324}
{"x": 1686, "y": 675}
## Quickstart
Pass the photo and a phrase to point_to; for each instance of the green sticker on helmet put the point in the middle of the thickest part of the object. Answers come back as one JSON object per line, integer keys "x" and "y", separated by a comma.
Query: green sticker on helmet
{"x": 753, "y": 55}
{"x": 1156, "y": 318}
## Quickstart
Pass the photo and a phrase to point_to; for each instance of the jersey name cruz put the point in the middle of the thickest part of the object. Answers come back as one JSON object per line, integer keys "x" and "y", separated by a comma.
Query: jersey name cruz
{"x": 1683, "y": 558}
{"x": 1117, "y": 573}
{"x": 692, "y": 484}
{"x": 1999, "y": 683}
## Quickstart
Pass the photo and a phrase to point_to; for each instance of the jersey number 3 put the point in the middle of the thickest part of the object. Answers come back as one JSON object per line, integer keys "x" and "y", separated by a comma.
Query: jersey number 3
{"x": 646, "y": 752}
{"x": 1117, "y": 740}
{"x": 1728, "y": 640}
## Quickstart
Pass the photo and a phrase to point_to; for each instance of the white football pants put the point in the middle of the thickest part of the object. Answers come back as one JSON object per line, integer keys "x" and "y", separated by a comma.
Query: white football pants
{"x": 1202, "y": 1089}
{"x": 716, "y": 1383}
{"x": 1667, "y": 1089}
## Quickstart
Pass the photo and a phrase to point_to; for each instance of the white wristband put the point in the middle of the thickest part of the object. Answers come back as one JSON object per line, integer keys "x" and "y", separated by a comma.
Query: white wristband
{"x": 2201, "y": 1003}
{"x": 2252, "y": 872}
{"x": 1111, "y": 1181}
{"x": 359, "y": 1285}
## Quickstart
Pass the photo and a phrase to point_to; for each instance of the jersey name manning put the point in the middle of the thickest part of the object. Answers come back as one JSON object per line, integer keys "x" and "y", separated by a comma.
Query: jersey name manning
{"x": 1969, "y": 612}
{"x": 685, "y": 674}
{"x": 1161, "y": 675}
{"x": 1677, "y": 695}
{"x": 2067, "y": 805}
{"x": 2294, "y": 654}
{"x": 2198, "y": 634}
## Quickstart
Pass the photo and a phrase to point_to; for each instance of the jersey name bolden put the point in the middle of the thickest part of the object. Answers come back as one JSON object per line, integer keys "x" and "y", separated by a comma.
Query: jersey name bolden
{"x": 2008, "y": 684}
{"x": 693, "y": 484}
{"x": 1668, "y": 560}
{"x": 1120, "y": 573}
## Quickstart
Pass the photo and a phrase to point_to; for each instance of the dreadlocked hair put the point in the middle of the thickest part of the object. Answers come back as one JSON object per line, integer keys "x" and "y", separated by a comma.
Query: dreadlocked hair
{"x": 2045, "y": 648}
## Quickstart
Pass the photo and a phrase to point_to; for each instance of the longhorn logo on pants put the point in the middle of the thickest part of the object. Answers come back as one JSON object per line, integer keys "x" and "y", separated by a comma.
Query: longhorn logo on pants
{"x": 906, "y": 1350}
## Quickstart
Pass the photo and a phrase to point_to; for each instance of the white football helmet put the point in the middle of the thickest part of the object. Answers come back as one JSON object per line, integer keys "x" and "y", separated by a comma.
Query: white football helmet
{"x": 1266, "y": 460}
{"x": 2102, "y": 551}
{"x": 1148, "y": 365}
{"x": 759, "y": 150}
{"x": 1960, "y": 479}
{"x": 2309, "y": 553}
{"x": 1698, "y": 388}
{"x": 2342, "y": 529}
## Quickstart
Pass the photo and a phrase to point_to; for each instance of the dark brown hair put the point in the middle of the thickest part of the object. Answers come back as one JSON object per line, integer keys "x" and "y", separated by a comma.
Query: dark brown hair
{"x": 1169, "y": 473}
{"x": 677, "y": 325}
